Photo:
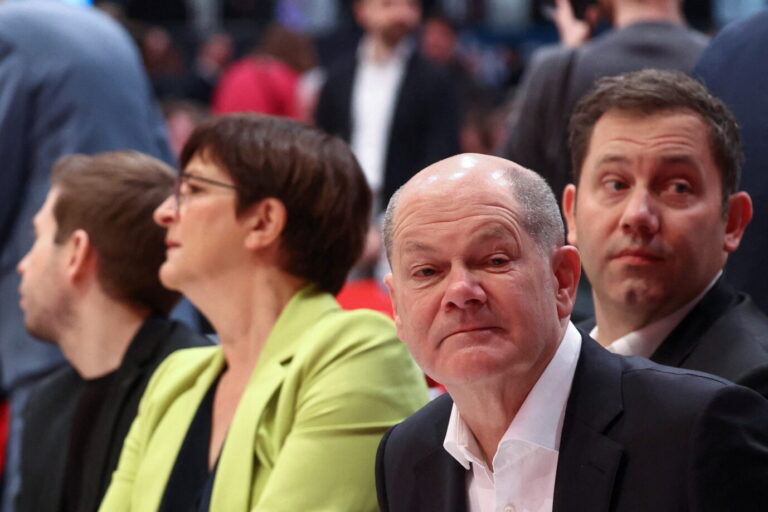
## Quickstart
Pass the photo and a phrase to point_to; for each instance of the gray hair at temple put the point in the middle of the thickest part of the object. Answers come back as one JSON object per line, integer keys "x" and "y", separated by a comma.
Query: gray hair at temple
{"x": 540, "y": 213}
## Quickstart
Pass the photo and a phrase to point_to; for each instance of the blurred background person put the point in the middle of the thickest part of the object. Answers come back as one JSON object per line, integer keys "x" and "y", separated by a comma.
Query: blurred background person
{"x": 90, "y": 286}
{"x": 267, "y": 220}
{"x": 734, "y": 68}
{"x": 266, "y": 81}
{"x": 71, "y": 81}
{"x": 398, "y": 111}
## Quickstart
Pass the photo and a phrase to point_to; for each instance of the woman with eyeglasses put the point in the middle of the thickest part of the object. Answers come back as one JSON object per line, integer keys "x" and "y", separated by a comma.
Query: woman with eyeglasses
{"x": 267, "y": 218}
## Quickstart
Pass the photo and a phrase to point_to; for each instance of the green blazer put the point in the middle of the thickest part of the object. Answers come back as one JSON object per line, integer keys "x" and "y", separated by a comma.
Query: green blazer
{"x": 327, "y": 386}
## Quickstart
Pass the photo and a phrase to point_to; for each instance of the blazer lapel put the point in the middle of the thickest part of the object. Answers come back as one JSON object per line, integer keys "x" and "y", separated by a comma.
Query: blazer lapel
{"x": 104, "y": 446}
{"x": 238, "y": 456}
{"x": 344, "y": 94}
{"x": 676, "y": 348}
{"x": 440, "y": 483}
{"x": 588, "y": 460}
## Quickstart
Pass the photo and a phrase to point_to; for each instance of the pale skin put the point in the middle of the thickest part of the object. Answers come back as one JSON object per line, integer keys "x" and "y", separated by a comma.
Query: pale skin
{"x": 242, "y": 293}
{"x": 96, "y": 330}
{"x": 480, "y": 306}
{"x": 648, "y": 217}
{"x": 387, "y": 23}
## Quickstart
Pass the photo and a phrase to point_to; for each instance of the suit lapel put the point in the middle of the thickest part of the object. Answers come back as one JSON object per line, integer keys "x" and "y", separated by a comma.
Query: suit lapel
{"x": 344, "y": 115}
{"x": 437, "y": 481}
{"x": 142, "y": 348}
{"x": 237, "y": 461}
{"x": 677, "y": 347}
{"x": 440, "y": 483}
{"x": 588, "y": 460}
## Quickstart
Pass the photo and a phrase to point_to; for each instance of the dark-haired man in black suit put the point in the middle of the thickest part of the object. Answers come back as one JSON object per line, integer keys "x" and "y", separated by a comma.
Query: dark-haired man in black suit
{"x": 655, "y": 211}
{"x": 90, "y": 285}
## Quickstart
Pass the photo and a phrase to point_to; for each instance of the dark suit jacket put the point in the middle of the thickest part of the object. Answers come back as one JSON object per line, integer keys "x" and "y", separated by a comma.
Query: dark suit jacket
{"x": 735, "y": 69}
{"x": 50, "y": 410}
{"x": 425, "y": 124}
{"x": 636, "y": 437}
{"x": 558, "y": 77}
{"x": 725, "y": 334}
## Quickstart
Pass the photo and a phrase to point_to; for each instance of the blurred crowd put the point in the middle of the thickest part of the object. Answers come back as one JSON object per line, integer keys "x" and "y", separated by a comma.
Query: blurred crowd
{"x": 204, "y": 57}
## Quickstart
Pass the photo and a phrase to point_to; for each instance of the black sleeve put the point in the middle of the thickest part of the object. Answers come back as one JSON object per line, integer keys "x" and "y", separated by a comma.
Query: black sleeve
{"x": 381, "y": 486}
{"x": 729, "y": 453}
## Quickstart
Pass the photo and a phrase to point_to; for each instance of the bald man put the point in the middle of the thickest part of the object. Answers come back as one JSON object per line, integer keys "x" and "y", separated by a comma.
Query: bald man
{"x": 538, "y": 416}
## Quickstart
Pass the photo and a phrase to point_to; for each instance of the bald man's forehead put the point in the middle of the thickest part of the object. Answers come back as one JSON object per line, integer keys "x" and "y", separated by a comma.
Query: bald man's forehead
{"x": 461, "y": 166}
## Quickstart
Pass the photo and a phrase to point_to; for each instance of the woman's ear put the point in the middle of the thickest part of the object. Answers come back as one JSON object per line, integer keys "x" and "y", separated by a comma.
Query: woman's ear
{"x": 265, "y": 222}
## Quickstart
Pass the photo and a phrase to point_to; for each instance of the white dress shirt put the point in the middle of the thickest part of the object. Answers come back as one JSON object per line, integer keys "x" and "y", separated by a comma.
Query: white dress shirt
{"x": 525, "y": 463}
{"x": 644, "y": 342}
{"x": 374, "y": 95}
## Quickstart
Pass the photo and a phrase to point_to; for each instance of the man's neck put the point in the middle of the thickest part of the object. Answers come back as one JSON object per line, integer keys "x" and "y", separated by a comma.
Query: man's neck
{"x": 615, "y": 321}
{"x": 627, "y": 13}
{"x": 488, "y": 408}
{"x": 100, "y": 335}
{"x": 381, "y": 50}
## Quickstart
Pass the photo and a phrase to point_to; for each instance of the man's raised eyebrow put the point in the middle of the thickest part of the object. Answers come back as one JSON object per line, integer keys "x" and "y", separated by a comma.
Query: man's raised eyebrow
{"x": 489, "y": 233}
{"x": 611, "y": 158}
{"x": 680, "y": 159}
{"x": 416, "y": 246}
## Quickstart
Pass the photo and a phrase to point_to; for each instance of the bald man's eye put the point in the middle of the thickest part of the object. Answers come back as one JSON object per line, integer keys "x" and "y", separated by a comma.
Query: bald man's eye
{"x": 425, "y": 272}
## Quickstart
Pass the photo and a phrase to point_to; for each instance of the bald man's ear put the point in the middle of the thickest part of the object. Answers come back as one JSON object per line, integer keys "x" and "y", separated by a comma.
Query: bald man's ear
{"x": 569, "y": 212}
{"x": 566, "y": 267}
{"x": 739, "y": 215}
{"x": 391, "y": 290}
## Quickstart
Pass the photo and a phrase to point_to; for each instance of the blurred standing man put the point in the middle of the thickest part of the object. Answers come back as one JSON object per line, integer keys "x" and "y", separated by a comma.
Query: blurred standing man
{"x": 90, "y": 285}
{"x": 398, "y": 111}
{"x": 655, "y": 212}
{"x": 71, "y": 81}
{"x": 538, "y": 417}
{"x": 646, "y": 34}
{"x": 734, "y": 68}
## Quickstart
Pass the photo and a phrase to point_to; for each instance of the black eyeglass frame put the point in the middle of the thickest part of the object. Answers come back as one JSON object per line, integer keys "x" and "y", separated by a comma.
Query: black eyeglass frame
{"x": 185, "y": 176}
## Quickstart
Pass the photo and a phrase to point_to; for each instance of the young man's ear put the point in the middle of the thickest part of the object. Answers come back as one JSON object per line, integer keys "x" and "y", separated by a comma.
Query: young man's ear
{"x": 265, "y": 222}
{"x": 739, "y": 215}
{"x": 81, "y": 255}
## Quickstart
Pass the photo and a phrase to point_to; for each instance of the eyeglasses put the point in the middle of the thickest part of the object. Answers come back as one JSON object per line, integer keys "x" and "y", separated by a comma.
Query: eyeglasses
{"x": 180, "y": 194}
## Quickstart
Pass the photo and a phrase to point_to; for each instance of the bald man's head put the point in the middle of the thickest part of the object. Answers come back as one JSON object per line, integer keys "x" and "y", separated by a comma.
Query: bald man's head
{"x": 462, "y": 177}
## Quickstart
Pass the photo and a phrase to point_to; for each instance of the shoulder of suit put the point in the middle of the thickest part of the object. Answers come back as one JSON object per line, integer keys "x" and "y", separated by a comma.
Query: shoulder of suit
{"x": 425, "y": 429}
{"x": 339, "y": 334}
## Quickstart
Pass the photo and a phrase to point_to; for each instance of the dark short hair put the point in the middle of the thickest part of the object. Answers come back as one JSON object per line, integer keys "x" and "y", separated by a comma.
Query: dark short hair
{"x": 112, "y": 196}
{"x": 652, "y": 91}
{"x": 316, "y": 177}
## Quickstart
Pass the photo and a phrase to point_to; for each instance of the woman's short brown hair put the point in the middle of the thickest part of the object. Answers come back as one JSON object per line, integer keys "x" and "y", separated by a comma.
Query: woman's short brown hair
{"x": 112, "y": 196}
{"x": 316, "y": 177}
